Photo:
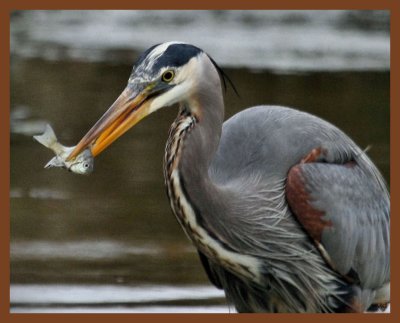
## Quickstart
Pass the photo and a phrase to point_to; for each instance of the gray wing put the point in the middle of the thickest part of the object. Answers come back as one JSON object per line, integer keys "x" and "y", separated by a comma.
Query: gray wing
{"x": 344, "y": 207}
{"x": 252, "y": 164}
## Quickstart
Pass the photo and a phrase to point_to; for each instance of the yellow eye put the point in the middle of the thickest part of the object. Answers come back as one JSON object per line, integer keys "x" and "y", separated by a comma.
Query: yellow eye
{"x": 168, "y": 76}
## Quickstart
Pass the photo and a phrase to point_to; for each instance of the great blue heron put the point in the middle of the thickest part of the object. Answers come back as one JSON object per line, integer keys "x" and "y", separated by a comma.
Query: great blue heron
{"x": 288, "y": 214}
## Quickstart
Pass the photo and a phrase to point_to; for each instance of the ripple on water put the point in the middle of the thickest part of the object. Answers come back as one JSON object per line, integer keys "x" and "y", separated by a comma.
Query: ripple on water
{"x": 115, "y": 298}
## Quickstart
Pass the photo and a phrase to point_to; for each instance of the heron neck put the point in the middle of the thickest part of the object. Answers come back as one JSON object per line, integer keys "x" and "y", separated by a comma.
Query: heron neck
{"x": 192, "y": 143}
{"x": 197, "y": 202}
{"x": 201, "y": 142}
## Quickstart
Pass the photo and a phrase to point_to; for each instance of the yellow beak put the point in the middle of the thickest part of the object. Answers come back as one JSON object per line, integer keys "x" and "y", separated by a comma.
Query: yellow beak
{"x": 129, "y": 108}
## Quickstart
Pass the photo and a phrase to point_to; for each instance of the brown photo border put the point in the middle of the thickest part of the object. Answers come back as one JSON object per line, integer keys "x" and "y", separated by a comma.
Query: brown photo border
{"x": 7, "y": 6}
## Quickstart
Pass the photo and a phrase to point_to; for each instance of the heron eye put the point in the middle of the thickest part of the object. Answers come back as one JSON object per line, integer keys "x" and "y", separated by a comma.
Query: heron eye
{"x": 168, "y": 76}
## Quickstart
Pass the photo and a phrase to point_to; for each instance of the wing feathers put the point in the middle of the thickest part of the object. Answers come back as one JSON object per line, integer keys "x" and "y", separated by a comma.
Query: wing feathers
{"x": 345, "y": 211}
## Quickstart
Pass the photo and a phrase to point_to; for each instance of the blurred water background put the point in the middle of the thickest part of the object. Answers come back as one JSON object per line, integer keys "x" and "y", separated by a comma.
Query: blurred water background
{"x": 109, "y": 242}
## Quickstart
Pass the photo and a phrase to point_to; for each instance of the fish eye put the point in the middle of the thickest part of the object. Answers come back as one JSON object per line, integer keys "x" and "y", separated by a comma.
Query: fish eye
{"x": 168, "y": 76}
{"x": 86, "y": 165}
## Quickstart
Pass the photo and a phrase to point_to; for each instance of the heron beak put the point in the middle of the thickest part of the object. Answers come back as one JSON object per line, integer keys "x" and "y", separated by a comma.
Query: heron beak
{"x": 129, "y": 108}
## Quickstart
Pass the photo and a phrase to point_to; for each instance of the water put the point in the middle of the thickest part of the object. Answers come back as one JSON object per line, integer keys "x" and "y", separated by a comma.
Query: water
{"x": 110, "y": 239}
{"x": 117, "y": 299}
{"x": 275, "y": 39}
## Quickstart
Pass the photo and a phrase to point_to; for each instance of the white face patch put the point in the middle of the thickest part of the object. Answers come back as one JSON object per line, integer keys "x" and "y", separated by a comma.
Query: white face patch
{"x": 190, "y": 65}
{"x": 186, "y": 79}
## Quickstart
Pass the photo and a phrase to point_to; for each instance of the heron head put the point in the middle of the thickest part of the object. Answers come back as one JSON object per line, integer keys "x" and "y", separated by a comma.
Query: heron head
{"x": 162, "y": 76}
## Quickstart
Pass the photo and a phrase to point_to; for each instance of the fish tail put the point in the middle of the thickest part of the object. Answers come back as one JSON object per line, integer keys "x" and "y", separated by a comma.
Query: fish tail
{"x": 48, "y": 138}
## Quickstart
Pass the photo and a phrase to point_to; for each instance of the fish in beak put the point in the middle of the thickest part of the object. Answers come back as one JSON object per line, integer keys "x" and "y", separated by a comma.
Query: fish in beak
{"x": 130, "y": 107}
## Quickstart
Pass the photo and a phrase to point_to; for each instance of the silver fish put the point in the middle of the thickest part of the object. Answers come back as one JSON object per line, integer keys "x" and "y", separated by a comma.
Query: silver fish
{"x": 81, "y": 164}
